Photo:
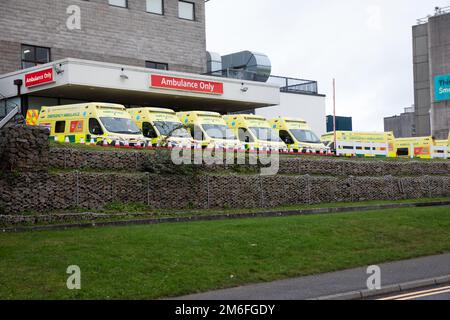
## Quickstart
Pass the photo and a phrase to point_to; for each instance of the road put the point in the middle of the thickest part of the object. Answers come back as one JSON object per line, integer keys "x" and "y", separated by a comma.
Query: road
{"x": 431, "y": 293}
{"x": 321, "y": 285}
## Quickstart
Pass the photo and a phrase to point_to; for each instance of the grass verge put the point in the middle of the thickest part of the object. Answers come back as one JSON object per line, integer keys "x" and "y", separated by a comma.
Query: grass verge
{"x": 145, "y": 262}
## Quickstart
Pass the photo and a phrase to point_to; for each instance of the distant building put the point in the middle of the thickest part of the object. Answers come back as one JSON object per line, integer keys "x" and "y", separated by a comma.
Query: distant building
{"x": 431, "y": 58}
{"x": 402, "y": 125}
{"x": 342, "y": 124}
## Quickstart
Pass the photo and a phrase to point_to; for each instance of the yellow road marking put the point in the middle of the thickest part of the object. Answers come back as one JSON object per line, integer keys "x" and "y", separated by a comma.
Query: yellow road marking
{"x": 432, "y": 291}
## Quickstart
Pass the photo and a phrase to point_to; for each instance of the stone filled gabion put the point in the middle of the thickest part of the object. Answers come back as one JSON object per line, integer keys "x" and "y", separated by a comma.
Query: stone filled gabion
{"x": 26, "y": 184}
{"x": 44, "y": 192}
{"x": 24, "y": 148}
{"x": 67, "y": 158}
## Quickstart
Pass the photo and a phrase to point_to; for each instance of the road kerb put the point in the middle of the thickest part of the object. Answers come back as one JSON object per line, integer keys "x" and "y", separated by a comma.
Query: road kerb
{"x": 364, "y": 294}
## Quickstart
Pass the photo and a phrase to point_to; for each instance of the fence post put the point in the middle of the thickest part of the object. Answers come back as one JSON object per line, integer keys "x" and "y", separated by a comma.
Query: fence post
{"x": 208, "y": 192}
{"x": 77, "y": 192}
{"x": 308, "y": 188}
{"x": 351, "y": 187}
{"x": 261, "y": 192}
{"x": 148, "y": 188}
{"x": 411, "y": 151}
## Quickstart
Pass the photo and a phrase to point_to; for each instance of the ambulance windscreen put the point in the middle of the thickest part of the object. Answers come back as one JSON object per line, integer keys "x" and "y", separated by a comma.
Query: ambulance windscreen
{"x": 172, "y": 129}
{"x": 266, "y": 134}
{"x": 120, "y": 125}
{"x": 305, "y": 136}
{"x": 217, "y": 131}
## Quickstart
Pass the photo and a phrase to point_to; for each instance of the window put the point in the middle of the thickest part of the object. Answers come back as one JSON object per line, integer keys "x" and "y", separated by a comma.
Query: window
{"x": 95, "y": 127}
{"x": 217, "y": 131}
{"x": 186, "y": 10}
{"x": 119, "y": 3}
{"x": 305, "y": 136}
{"x": 401, "y": 152}
{"x": 172, "y": 129}
{"x": 33, "y": 56}
{"x": 120, "y": 125}
{"x": 265, "y": 134}
{"x": 196, "y": 132}
{"x": 245, "y": 136}
{"x": 60, "y": 127}
{"x": 156, "y": 65}
{"x": 155, "y": 6}
{"x": 286, "y": 137}
{"x": 148, "y": 130}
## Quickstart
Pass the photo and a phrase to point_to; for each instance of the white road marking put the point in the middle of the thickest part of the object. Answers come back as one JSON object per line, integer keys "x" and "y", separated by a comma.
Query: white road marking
{"x": 419, "y": 294}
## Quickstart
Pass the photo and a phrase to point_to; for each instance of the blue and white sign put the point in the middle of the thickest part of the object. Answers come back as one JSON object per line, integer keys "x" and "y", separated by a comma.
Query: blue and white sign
{"x": 442, "y": 88}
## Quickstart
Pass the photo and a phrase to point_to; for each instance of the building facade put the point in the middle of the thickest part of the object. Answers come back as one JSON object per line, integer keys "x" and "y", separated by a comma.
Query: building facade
{"x": 422, "y": 84}
{"x": 136, "y": 53}
{"x": 154, "y": 33}
{"x": 431, "y": 61}
{"x": 403, "y": 125}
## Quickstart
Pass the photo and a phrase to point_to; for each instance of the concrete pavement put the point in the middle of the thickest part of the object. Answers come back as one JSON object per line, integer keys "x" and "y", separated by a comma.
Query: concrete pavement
{"x": 311, "y": 287}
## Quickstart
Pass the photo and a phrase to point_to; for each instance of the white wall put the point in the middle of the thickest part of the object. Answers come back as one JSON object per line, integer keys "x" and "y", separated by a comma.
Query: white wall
{"x": 308, "y": 107}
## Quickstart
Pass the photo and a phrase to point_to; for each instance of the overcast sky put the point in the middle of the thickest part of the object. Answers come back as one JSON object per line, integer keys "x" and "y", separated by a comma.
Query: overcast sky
{"x": 365, "y": 44}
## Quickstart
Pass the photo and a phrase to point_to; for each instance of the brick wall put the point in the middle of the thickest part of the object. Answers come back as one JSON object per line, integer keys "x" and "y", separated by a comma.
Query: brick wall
{"x": 110, "y": 34}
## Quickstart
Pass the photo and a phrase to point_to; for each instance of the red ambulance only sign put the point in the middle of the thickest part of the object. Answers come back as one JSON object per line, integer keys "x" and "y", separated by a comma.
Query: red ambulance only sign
{"x": 183, "y": 84}
{"x": 39, "y": 78}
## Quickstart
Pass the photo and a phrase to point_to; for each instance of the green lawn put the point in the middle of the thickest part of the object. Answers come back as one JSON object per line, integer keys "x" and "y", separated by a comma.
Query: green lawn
{"x": 174, "y": 259}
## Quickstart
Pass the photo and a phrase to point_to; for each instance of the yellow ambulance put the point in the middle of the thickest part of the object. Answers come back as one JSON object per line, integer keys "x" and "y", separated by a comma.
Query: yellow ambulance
{"x": 297, "y": 135}
{"x": 256, "y": 132}
{"x": 209, "y": 130}
{"x": 161, "y": 127}
{"x": 348, "y": 139}
{"x": 414, "y": 147}
{"x": 91, "y": 122}
{"x": 441, "y": 151}
{"x": 443, "y": 143}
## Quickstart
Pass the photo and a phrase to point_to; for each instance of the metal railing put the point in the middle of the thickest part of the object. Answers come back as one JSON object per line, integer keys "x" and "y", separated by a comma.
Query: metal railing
{"x": 240, "y": 74}
{"x": 9, "y": 116}
{"x": 286, "y": 84}
{"x": 8, "y": 110}
{"x": 437, "y": 12}
{"x": 293, "y": 85}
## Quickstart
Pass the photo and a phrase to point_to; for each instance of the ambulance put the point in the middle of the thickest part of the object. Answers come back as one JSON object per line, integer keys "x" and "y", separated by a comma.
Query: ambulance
{"x": 414, "y": 147}
{"x": 256, "y": 132}
{"x": 442, "y": 149}
{"x": 161, "y": 127}
{"x": 297, "y": 135}
{"x": 99, "y": 123}
{"x": 443, "y": 143}
{"x": 209, "y": 130}
{"x": 351, "y": 140}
